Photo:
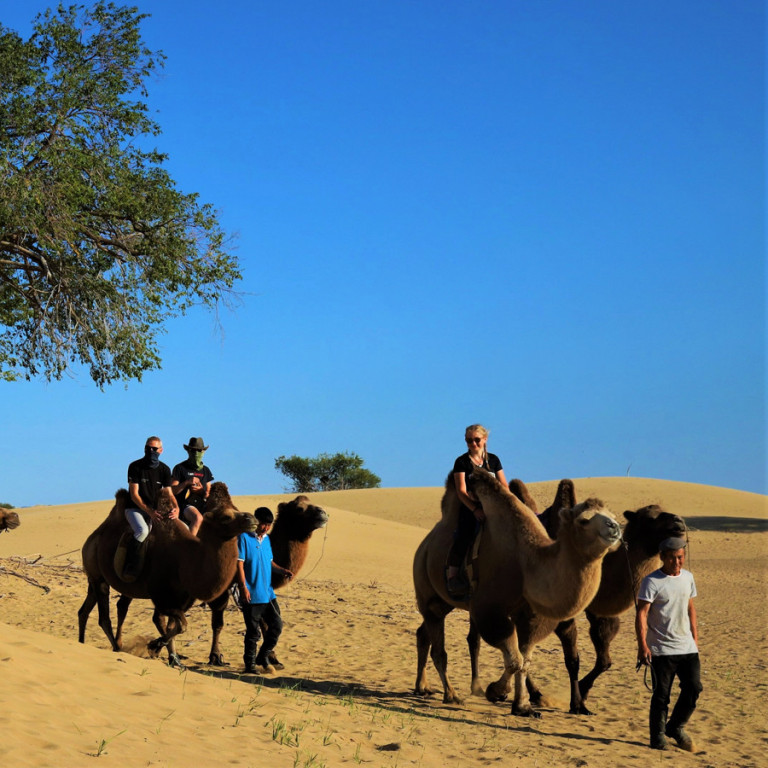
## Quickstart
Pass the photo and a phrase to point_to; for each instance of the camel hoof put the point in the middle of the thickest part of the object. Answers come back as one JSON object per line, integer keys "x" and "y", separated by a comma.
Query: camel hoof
{"x": 581, "y": 710}
{"x": 452, "y": 699}
{"x": 495, "y": 693}
{"x": 525, "y": 712}
{"x": 154, "y": 647}
{"x": 217, "y": 660}
{"x": 174, "y": 660}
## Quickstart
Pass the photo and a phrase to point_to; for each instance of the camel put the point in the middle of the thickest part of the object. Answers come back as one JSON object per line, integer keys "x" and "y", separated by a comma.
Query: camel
{"x": 295, "y": 523}
{"x": 179, "y": 568}
{"x": 622, "y": 572}
{"x": 524, "y": 578}
{"x": 8, "y": 520}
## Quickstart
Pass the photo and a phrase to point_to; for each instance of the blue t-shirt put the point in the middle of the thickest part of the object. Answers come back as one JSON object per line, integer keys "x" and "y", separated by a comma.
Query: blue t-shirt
{"x": 257, "y": 564}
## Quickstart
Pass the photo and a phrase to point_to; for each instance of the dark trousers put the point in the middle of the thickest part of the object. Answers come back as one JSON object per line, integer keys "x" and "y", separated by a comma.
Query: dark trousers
{"x": 463, "y": 536}
{"x": 687, "y": 668}
{"x": 254, "y": 613}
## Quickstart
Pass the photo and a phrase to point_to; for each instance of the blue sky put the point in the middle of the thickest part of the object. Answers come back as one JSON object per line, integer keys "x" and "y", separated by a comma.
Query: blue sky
{"x": 545, "y": 217}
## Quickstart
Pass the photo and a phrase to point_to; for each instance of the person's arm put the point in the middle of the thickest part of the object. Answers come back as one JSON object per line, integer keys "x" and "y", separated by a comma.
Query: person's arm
{"x": 460, "y": 481}
{"x": 501, "y": 477}
{"x": 641, "y": 630}
{"x": 138, "y": 502}
{"x": 692, "y": 619}
{"x": 245, "y": 595}
{"x": 280, "y": 571}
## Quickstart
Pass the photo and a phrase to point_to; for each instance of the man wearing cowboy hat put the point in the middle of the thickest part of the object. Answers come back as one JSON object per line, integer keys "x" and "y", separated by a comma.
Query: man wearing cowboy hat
{"x": 192, "y": 483}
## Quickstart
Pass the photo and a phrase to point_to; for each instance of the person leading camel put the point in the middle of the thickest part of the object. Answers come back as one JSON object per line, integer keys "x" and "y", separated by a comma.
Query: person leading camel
{"x": 148, "y": 479}
{"x": 471, "y": 512}
{"x": 192, "y": 484}
{"x": 667, "y": 640}
{"x": 257, "y": 598}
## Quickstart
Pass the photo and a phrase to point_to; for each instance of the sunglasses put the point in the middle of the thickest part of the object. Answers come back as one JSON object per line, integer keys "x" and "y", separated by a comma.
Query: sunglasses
{"x": 153, "y": 448}
{"x": 475, "y": 440}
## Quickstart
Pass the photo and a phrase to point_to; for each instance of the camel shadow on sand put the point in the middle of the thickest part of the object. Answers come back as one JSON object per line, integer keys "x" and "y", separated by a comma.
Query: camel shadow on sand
{"x": 406, "y": 703}
{"x": 727, "y": 524}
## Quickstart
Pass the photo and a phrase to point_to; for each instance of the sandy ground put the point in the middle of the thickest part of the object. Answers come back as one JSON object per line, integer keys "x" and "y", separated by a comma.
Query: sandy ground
{"x": 345, "y": 696}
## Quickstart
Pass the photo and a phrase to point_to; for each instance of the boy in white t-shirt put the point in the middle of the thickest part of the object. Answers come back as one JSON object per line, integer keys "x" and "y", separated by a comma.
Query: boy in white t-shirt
{"x": 667, "y": 640}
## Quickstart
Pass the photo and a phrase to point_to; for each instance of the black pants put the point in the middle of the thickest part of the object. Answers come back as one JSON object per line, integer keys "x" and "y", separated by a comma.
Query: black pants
{"x": 253, "y": 613}
{"x": 687, "y": 668}
{"x": 463, "y": 536}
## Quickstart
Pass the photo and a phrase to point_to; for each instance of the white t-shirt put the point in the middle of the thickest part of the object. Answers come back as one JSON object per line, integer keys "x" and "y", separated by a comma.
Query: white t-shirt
{"x": 669, "y": 627}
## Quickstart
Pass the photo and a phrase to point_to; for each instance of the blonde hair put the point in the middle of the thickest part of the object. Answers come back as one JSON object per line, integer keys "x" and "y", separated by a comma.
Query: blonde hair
{"x": 471, "y": 429}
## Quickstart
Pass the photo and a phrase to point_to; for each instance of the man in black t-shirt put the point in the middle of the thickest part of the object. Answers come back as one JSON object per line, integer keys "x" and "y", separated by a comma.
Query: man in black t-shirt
{"x": 148, "y": 480}
{"x": 192, "y": 483}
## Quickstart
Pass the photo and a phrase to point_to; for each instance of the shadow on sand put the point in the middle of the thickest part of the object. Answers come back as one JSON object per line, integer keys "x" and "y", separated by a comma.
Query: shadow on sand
{"x": 727, "y": 524}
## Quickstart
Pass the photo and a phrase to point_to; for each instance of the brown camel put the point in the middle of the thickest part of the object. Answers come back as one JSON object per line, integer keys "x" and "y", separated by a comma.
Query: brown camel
{"x": 622, "y": 572}
{"x": 521, "y": 570}
{"x": 295, "y": 523}
{"x": 8, "y": 520}
{"x": 178, "y": 570}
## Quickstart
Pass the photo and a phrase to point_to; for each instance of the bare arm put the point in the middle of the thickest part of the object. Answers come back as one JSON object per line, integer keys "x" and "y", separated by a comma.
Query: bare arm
{"x": 174, "y": 513}
{"x": 240, "y": 576}
{"x": 641, "y": 630}
{"x": 692, "y": 619}
{"x": 136, "y": 500}
{"x": 460, "y": 481}
{"x": 501, "y": 477}
{"x": 280, "y": 571}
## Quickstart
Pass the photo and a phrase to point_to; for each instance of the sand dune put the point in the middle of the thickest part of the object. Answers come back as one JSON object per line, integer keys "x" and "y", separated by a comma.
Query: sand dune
{"x": 345, "y": 695}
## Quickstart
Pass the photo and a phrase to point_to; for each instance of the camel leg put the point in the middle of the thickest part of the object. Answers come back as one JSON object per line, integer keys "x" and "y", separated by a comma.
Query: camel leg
{"x": 217, "y": 606}
{"x": 123, "y": 603}
{"x": 602, "y": 630}
{"x": 521, "y": 705}
{"x": 98, "y": 593}
{"x": 85, "y": 611}
{"x": 473, "y": 641}
{"x": 501, "y": 634}
{"x": 422, "y": 653}
{"x": 434, "y": 622}
{"x": 169, "y": 625}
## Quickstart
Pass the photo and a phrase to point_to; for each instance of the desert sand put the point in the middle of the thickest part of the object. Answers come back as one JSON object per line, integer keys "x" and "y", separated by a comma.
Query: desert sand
{"x": 345, "y": 695}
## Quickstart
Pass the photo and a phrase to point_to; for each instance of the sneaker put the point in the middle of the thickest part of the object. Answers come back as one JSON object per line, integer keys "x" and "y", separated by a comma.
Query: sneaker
{"x": 684, "y": 741}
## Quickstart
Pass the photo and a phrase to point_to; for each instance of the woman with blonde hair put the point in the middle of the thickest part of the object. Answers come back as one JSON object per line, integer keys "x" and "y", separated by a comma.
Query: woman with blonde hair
{"x": 471, "y": 513}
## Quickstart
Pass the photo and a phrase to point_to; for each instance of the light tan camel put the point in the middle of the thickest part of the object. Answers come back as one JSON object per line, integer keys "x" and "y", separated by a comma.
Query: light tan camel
{"x": 178, "y": 570}
{"x": 622, "y": 572}
{"x": 8, "y": 519}
{"x": 521, "y": 570}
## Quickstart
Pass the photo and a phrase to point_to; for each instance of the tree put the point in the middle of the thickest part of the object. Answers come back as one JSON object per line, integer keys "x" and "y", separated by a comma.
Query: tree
{"x": 97, "y": 245}
{"x": 326, "y": 472}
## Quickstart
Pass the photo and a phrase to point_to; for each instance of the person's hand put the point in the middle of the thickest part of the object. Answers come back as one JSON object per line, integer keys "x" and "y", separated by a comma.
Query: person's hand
{"x": 195, "y": 484}
{"x": 288, "y": 574}
{"x": 479, "y": 514}
{"x": 245, "y": 595}
{"x": 155, "y": 514}
{"x": 173, "y": 514}
{"x": 643, "y": 658}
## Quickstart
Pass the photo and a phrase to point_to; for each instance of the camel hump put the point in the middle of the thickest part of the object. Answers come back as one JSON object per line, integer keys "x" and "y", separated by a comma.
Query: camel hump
{"x": 520, "y": 489}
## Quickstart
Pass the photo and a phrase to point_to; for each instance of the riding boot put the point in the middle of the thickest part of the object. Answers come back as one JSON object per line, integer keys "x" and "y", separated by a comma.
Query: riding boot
{"x": 674, "y": 729}
{"x": 658, "y": 722}
{"x": 131, "y": 569}
{"x": 250, "y": 664}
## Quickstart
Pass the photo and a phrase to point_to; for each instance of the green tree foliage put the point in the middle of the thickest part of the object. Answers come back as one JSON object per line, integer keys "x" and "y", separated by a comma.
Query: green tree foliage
{"x": 326, "y": 472}
{"x": 97, "y": 245}
{"x": 5, "y": 505}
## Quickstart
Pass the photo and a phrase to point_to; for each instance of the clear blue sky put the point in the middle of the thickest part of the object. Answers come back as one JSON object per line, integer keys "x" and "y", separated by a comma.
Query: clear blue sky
{"x": 545, "y": 217}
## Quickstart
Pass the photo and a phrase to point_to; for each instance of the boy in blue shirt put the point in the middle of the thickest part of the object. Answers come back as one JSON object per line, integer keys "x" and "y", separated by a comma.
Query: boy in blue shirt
{"x": 257, "y": 598}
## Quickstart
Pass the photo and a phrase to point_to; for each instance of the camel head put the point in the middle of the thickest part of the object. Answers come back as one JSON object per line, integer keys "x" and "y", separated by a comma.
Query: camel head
{"x": 8, "y": 520}
{"x": 591, "y": 526}
{"x": 222, "y": 517}
{"x": 649, "y": 526}
{"x": 297, "y": 520}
